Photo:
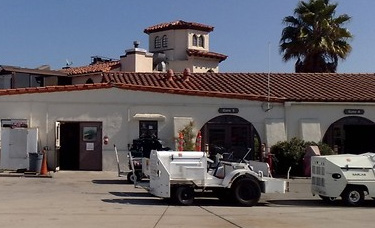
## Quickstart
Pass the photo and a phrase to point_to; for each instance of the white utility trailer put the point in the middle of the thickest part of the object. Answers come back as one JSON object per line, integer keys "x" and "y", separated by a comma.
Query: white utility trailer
{"x": 180, "y": 175}
{"x": 348, "y": 176}
{"x": 16, "y": 144}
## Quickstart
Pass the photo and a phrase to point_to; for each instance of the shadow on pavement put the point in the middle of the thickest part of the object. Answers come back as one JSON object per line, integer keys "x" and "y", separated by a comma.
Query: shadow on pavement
{"x": 109, "y": 181}
{"x": 136, "y": 198}
{"x": 144, "y": 198}
{"x": 132, "y": 194}
{"x": 317, "y": 203}
{"x": 138, "y": 201}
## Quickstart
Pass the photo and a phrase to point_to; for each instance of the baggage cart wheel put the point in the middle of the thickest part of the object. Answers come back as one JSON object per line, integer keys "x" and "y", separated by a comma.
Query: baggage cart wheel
{"x": 131, "y": 177}
{"x": 184, "y": 195}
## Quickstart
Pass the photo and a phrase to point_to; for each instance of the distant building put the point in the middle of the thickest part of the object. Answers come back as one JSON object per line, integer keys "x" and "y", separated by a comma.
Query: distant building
{"x": 12, "y": 77}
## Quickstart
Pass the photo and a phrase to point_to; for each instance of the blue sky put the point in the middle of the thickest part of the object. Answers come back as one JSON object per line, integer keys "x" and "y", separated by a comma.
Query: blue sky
{"x": 38, "y": 32}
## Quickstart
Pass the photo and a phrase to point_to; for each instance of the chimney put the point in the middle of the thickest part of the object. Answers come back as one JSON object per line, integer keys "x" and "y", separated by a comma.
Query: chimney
{"x": 170, "y": 75}
{"x": 186, "y": 75}
{"x": 136, "y": 59}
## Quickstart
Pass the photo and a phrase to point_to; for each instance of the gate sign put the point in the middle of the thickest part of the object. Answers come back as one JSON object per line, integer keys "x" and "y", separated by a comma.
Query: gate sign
{"x": 354, "y": 111}
{"x": 12, "y": 123}
{"x": 229, "y": 110}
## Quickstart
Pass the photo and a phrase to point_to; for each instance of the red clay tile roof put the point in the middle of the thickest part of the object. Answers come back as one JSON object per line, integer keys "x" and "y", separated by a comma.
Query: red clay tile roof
{"x": 51, "y": 89}
{"x": 94, "y": 68}
{"x": 207, "y": 54}
{"x": 248, "y": 86}
{"x": 253, "y": 86}
{"x": 178, "y": 25}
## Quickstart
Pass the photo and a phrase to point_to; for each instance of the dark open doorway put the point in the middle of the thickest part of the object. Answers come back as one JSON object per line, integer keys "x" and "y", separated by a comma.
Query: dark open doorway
{"x": 351, "y": 135}
{"x": 69, "y": 146}
{"x": 80, "y": 146}
{"x": 233, "y": 135}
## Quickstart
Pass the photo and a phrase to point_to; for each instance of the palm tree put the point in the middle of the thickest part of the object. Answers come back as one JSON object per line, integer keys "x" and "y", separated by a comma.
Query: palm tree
{"x": 315, "y": 37}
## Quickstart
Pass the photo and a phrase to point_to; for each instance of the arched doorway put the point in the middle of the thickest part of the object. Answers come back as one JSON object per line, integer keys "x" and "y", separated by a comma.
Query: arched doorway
{"x": 351, "y": 135}
{"x": 231, "y": 134}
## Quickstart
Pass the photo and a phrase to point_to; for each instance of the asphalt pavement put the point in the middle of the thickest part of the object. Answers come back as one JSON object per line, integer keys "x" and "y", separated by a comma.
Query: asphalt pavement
{"x": 102, "y": 199}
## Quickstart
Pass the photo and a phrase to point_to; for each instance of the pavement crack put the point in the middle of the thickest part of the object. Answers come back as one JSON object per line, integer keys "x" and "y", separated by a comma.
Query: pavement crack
{"x": 161, "y": 216}
{"x": 221, "y": 217}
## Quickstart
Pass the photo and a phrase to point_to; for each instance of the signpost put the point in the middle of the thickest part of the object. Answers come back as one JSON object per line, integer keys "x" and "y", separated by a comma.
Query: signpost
{"x": 354, "y": 111}
{"x": 229, "y": 110}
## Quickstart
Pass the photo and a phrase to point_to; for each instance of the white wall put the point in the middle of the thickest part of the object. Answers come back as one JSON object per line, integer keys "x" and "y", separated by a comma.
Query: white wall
{"x": 195, "y": 64}
{"x": 317, "y": 117}
{"x": 115, "y": 108}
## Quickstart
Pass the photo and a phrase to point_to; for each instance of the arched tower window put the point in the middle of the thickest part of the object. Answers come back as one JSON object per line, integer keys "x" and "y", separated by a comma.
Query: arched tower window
{"x": 157, "y": 42}
{"x": 201, "y": 41}
{"x": 195, "y": 40}
{"x": 164, "y": 41}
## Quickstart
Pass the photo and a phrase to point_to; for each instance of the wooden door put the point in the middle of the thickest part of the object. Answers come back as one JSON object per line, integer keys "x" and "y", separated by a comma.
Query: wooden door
{"x": 90, "y": 153}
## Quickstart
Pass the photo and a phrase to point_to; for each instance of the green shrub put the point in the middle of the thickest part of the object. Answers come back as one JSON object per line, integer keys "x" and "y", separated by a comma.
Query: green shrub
{"x": 325, "y": 149}
{"x": 290, "y": 154}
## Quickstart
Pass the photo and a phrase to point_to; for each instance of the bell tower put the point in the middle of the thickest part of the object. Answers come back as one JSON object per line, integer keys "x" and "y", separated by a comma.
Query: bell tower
{"x": 179, "y": 45}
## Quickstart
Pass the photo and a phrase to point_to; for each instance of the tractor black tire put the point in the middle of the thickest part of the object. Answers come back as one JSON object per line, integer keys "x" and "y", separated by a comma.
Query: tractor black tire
{"x": 246, "y": 192}
{"x": 184, "y": 195}
{"x": 353, "y": 196}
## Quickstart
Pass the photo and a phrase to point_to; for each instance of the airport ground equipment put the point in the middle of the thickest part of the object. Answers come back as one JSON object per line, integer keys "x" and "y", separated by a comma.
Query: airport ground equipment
{"x": 348, "y": 176}
{"x": 181, "y": 175}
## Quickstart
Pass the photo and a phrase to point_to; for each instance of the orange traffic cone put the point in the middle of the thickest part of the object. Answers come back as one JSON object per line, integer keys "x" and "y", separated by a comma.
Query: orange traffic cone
{"x": 43, "y": 170}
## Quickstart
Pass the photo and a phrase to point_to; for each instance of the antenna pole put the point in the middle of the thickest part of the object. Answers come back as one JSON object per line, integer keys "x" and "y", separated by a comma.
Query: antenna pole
{"x": 269, "y": 76}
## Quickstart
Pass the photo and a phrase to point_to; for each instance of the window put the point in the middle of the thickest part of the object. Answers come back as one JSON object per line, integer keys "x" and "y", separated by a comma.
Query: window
{"x": 195, "y": 40}
{"x": 90, "y": 133}
{"x": 157, "y": 42}
{"x": 164, "y": 41}
{"x": 201, "y": 41}
{"x": 36, "y": 81}
{"x": 148, "y": 129}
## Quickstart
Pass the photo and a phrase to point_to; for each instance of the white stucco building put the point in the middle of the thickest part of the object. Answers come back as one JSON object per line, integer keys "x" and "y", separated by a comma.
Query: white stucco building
{"x": 137, "y": 95}
{"x": 235, "y": 116}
